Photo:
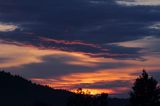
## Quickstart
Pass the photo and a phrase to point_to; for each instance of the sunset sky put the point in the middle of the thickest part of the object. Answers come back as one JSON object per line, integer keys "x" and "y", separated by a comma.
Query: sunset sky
{"x": 98, "y": 45}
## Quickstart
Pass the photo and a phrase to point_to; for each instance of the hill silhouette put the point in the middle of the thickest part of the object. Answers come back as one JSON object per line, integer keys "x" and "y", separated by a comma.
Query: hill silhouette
{"x": 17, "y": 91}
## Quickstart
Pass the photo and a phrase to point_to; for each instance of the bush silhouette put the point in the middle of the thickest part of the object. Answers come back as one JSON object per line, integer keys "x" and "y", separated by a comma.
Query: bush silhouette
{"x": 85, "y": 99}
{"x": 145, "y": 91}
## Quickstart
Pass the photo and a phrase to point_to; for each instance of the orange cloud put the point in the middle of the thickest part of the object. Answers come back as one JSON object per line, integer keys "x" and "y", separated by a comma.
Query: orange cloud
{"x": 71, "y": 81}
{"x": 7, "y": 27}
{"x": 17, "y": 55}
{"x": 69, "y": 42}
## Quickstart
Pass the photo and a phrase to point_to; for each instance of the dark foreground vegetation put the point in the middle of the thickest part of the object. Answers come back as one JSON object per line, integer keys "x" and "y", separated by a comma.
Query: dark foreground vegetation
{"x": 17, "y": 91}
{"x": 146, "y": 91}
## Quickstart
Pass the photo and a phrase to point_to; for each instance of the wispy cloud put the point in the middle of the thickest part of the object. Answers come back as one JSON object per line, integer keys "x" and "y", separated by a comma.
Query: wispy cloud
{"x": 150, "y": 44}
{"x": 139, "y": 2}
{"x": 155, "y": 26}
{"x": 96, "y": 82}
{"x": 44, "y": 39}
{"x": 7, "y": 27}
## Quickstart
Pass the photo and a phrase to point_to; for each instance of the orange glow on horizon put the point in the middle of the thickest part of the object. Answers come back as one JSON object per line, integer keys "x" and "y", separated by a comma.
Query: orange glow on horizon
{"x": 92, "y": 91}
{"x": 20, "y": 55}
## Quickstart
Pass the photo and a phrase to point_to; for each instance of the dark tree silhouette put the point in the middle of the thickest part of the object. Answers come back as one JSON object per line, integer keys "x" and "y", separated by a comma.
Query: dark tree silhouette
{"x": 101, "y": 100}
{"x": 85, "y": 99}
{"x": 80, "y": 99}
{"x": 145, "y": 91}
{"x": 17, "y": 91}
{"x": 41, "y": 104}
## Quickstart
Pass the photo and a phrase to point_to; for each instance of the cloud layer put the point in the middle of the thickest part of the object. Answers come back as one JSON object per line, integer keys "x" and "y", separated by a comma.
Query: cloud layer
{"x": 95, "y": 42}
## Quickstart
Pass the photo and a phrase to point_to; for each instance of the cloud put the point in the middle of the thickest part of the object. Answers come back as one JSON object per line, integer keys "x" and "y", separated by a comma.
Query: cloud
{"x": 14, "y": 55}
{"x": 112, "y": 81}
{"x": 69, "y": 70}
{"x": 57, "y": 65}
{"x": 103, "y": 2}
{"x": 155, "y": 26}
{"x": 69, "y": 42}
{"x": 139, "y": 2}
{"x": 90, "y": 49}
{"x": 80, "y": 40}
{"x": 7, "y": 27}
{"x": 106, "y": 84}
{"x": 97, "y": 82}
{"x": 151, "y": 44}
{"x": 78, "y": 20}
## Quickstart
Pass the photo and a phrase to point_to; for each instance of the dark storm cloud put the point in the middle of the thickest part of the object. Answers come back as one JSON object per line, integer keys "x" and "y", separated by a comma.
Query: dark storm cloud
{"x": 92, "y": 21}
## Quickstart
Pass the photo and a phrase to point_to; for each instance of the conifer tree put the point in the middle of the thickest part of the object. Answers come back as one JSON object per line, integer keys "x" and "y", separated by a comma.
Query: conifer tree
{"x": 145, "y": 91}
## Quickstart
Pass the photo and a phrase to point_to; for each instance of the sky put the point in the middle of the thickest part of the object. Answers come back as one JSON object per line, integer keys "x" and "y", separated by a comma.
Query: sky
{"x": 98, "y": 45}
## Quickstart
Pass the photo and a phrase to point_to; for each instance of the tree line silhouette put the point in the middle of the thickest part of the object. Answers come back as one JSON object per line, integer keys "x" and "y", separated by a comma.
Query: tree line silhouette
{"x": 85, "y": 99}
{"x": 17, "y": 91}
{"x": 145, "y": 92}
